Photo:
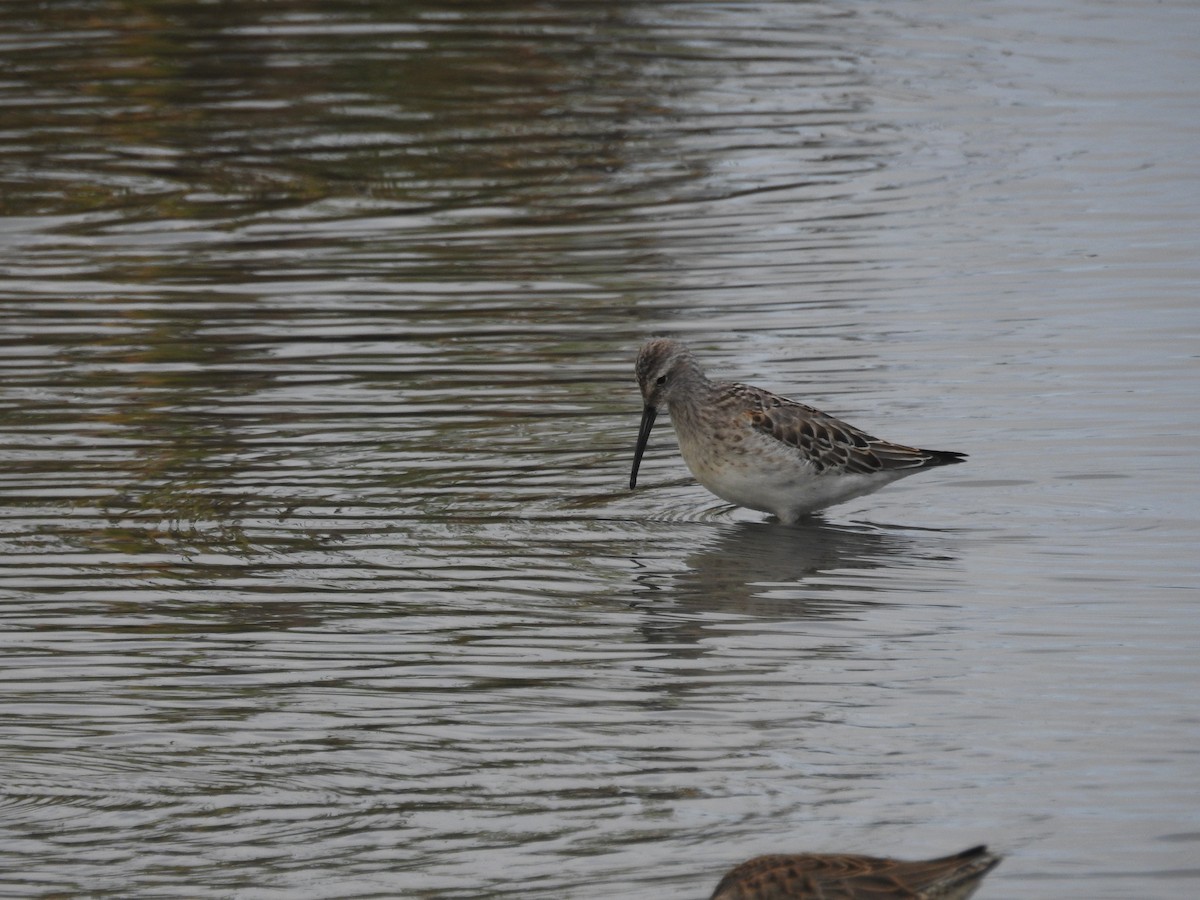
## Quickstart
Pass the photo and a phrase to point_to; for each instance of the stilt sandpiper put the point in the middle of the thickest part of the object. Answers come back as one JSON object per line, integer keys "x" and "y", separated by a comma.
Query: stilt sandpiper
{"x": 762, "y": 451}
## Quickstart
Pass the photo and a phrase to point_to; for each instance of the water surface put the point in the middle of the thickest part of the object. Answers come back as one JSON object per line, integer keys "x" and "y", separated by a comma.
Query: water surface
{"x": 320, "y": 576}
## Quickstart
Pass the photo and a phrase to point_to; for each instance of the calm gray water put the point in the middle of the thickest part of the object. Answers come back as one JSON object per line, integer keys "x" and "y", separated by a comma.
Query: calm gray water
{"x": 320, "y": 574}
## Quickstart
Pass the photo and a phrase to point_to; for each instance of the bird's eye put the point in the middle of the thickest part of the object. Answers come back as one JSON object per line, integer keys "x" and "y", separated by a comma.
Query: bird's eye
{"x": 662, "y": 379}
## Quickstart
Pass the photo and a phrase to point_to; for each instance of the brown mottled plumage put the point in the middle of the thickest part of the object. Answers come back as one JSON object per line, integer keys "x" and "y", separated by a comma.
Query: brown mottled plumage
{"x": 816, "y": 876}
{"x": 760, "y": 450}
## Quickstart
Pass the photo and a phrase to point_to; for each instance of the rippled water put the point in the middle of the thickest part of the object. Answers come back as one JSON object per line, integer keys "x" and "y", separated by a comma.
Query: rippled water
{"x": 320, "y": 576}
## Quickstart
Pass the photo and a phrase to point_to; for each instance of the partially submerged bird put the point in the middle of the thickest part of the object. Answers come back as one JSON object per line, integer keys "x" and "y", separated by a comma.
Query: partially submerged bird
{"x": 816, "y": 876}
{"x": 762, "y": 451}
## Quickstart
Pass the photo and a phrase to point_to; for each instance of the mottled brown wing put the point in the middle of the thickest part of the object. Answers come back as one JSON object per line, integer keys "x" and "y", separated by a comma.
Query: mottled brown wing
{"x": 851, "y": 877}
{"x": 946, "y": 878}
{"x": 777, "y": 877}
{"x": 830, "y": 444}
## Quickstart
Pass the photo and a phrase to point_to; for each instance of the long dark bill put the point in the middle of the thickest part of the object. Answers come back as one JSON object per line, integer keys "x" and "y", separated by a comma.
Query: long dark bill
{"x": 649, "y": 414}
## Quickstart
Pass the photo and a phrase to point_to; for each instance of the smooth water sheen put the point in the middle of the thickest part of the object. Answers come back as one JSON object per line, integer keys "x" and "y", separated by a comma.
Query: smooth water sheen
{"x": 320, "y": 577}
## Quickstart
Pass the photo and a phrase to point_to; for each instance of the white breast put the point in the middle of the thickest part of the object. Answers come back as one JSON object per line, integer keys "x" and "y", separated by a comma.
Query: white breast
{"x": 760, "y": 473}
